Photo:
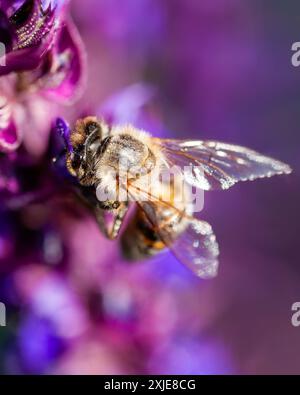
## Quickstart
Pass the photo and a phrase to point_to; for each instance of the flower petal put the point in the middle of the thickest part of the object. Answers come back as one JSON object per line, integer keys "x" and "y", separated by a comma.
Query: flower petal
{"x": 25, "y": 59}
{"x": 9, "y": 134}
{"x": 67, "y": 75}
{"x": 126, "y": 106}
{"x": 9, "y": 185}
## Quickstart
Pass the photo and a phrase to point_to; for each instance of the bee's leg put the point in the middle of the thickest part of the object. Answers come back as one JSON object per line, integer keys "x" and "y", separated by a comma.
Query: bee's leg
{"x": 118, "y": 220}
{"x": 111, "y": 222}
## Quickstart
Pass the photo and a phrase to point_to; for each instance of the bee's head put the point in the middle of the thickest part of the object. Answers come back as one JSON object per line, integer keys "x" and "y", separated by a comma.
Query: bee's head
{"x": 85, "y": 139}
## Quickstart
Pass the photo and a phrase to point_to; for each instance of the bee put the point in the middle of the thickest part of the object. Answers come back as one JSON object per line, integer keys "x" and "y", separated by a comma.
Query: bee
{"x": 99, "y": 155}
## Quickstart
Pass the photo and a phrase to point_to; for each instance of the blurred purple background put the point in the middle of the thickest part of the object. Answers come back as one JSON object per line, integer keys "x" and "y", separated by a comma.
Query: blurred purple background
{"x": 221, "y": 70}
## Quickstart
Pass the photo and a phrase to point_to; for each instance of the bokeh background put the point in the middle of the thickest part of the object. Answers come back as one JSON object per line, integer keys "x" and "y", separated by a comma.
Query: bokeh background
{"x": 219, "y": 70}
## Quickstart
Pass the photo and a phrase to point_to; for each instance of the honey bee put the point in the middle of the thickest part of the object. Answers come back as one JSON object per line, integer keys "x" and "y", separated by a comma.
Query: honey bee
{"x": 98, "y": 155}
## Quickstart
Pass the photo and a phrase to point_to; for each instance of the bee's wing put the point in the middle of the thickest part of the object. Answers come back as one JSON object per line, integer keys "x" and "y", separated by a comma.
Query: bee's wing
{"x": 196, "y": 246}
{"x": 214, "y": 165}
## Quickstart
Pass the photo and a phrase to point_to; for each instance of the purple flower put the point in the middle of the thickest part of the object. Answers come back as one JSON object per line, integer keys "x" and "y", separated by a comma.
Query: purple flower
{"x": 9, "y": 137}
{"x": 29, "y": 28}
{"x": 191, "y": 356}
{"x": 45, "y": 66}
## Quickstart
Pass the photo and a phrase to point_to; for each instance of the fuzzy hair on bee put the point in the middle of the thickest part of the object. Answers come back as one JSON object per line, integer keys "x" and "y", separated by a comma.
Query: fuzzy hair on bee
{"x": 83, "y": 128}
{"x": 101, "y": 155}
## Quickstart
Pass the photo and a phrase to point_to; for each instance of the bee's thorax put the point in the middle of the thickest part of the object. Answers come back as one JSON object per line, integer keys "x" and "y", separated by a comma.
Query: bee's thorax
{"x": 125, "y": 154}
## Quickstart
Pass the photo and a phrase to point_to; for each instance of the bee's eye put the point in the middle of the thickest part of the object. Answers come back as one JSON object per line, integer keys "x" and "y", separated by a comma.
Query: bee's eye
{"x": 77, "y": 156}
{"x": 91, "y": 127}
{"x": 76, "y": 161}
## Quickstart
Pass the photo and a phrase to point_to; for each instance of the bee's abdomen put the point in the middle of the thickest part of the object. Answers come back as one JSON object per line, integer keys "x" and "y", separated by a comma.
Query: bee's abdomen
{"x": 140, "y": 240}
